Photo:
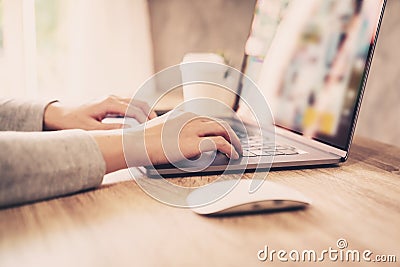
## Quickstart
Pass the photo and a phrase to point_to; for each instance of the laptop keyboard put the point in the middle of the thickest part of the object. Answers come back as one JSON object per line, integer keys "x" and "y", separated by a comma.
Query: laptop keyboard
{"x": 255, "y": 146}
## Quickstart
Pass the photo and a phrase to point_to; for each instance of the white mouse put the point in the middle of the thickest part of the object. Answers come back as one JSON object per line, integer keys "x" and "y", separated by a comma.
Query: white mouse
{"x": 269, "y": 197}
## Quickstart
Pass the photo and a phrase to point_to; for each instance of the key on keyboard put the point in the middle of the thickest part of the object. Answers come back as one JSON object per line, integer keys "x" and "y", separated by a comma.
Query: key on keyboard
{"x": 254, "y": 146}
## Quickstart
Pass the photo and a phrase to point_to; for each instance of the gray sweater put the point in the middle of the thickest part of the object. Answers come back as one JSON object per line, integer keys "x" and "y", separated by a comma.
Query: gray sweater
{"x": 36, "y": 165}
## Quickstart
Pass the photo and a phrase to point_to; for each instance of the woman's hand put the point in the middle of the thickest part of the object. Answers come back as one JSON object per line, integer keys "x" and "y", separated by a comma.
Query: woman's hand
{"x": 89, "y": 116}
{"x": 183, "y": 137}
{"x": 187, "y": 136}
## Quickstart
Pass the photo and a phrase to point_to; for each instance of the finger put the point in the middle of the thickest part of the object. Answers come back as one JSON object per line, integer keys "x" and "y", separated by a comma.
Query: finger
{"x": 221, "y": 144}
{"x": 222, "y": 129}
{"x": 114, "y": 106}
{"x": 136, "y": 113}
{"x": 111, "y": 105}
{"x": 152, "y": 115}
{"x": 142, "y": 105}
{"x": 146, "y": 109}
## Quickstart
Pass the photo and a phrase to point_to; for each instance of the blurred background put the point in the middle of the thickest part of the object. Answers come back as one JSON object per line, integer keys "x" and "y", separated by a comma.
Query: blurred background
{"x": 78, "y": 50}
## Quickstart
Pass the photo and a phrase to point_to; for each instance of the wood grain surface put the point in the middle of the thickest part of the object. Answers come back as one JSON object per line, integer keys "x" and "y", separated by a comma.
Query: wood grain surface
{"x": 119, "y": 225}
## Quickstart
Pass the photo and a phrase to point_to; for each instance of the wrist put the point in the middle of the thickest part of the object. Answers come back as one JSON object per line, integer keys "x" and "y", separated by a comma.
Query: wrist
{"x": 52, "y": 116}
{"x": 111, "y": 147}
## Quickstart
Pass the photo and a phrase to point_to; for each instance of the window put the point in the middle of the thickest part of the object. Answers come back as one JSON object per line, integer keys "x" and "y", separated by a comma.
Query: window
{"x": 73, "y": 49}
{"x": 49, "y": 48}
{"x": 1, "y": 26}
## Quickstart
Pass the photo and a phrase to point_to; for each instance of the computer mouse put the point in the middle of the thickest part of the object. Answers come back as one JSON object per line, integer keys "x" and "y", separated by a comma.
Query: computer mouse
{"x": 270, "y": 196}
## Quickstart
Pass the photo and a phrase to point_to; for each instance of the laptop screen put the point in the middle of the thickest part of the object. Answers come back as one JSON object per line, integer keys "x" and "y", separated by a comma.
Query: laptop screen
{"x": 310, "y": 58}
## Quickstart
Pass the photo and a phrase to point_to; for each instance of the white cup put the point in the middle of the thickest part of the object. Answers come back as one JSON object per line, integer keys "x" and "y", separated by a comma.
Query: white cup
{"x": 208, "y": 89}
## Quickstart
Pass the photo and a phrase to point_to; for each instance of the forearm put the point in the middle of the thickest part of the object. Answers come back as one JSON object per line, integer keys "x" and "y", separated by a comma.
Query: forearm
{"x": 35, "y": 166}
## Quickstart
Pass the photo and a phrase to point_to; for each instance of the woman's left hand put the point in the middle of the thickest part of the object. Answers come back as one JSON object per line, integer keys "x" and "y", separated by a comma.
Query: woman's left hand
{"x": 90, "y": 116}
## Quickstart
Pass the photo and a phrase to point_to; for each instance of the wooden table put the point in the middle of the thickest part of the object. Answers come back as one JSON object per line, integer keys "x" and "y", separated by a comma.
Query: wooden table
{"x": 119, "y": 225}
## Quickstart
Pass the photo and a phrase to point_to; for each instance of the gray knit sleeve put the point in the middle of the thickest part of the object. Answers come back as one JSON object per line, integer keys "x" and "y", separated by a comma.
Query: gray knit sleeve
{"x": 19, "y": 115}
{"x": 35, "y": 166}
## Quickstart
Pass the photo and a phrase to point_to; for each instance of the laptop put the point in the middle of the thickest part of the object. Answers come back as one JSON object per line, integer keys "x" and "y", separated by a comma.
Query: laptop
{"x": 310, "y": 59}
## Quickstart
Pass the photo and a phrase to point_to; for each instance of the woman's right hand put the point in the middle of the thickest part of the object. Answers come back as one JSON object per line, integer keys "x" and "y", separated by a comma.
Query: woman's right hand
{"x": 162, "y": 141}
{"x": 187, "y": 136}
